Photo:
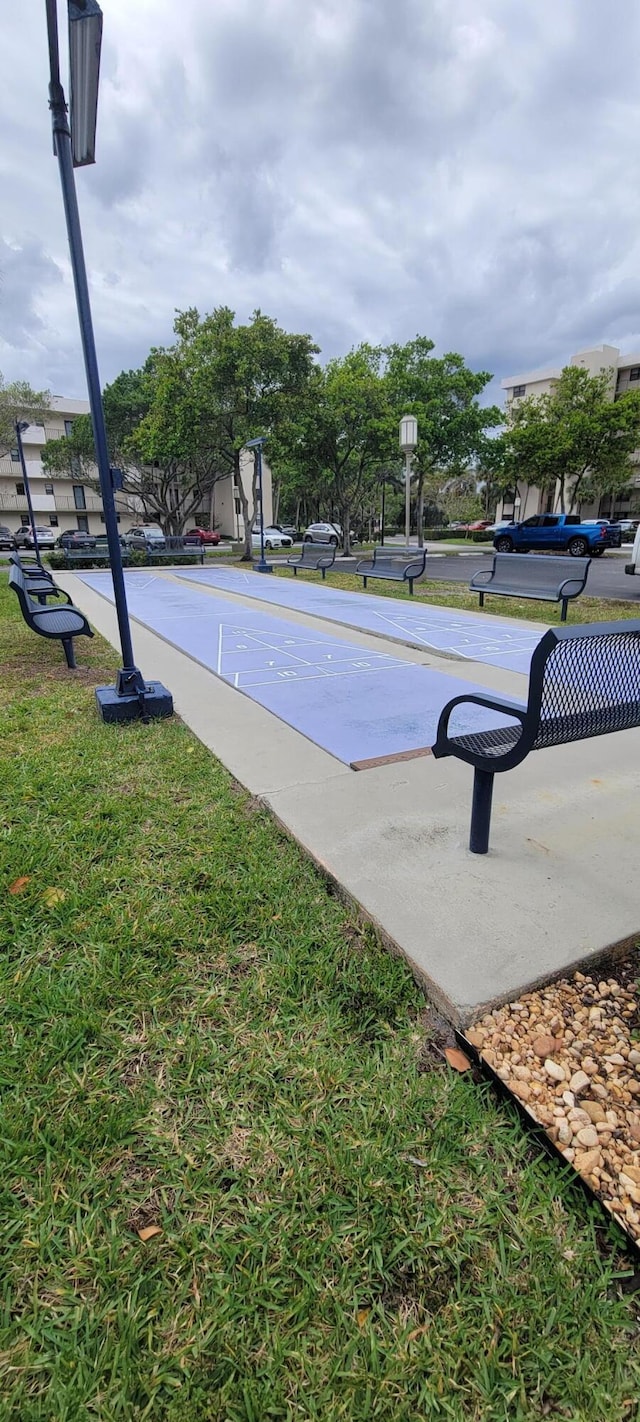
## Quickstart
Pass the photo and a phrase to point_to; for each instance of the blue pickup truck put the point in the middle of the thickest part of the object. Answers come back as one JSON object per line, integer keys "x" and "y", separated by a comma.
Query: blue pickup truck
{"x": 558, "y": 533}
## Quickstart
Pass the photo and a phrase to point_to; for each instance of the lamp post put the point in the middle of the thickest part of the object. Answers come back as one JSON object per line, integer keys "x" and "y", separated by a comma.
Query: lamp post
{"x": 74, "y": 146}
{"x": 21, "y": 426}
{"x": 408, "y": 443}
{"x": 258, "y": 444}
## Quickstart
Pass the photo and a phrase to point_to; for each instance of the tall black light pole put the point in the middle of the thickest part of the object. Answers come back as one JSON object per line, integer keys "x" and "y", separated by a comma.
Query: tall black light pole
{"x": 21, "y": 426}
{"x": 74, "y": 146}
{"x": 258, "y": 444}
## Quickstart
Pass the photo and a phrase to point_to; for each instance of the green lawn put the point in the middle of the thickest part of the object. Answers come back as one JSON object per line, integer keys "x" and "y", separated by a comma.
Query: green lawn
{"x": 457, "y": 595}
{"x": 195, "y": 1034}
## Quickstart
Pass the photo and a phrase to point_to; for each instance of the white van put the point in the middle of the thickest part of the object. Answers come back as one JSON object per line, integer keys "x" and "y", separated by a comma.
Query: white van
{"x": 634, "y": 565}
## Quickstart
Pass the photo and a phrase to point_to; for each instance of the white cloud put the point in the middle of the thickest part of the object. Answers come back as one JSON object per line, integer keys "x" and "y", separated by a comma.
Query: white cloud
{"x": 466, "y": 170}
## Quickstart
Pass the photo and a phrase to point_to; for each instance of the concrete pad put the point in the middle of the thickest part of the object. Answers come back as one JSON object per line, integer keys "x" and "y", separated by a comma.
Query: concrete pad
{"x": 559, "y": 885}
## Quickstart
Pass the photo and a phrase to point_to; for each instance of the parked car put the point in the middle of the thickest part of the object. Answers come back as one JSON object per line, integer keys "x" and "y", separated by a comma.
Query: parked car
{"x": 205, "y": 535}
{"x": 557, "y": 533}
{"x": 480, "y": 526}
{"x": 629, "y": 525}
{"x": 288, "y": 529}
{"x": 24, "y": 538}
{"x": 76, "y": 538}
{"x": 7, "y": 539}
{"x": 147, "y": 538}
{"x": 325, "y": 533}
{"x": 273, "y": 538}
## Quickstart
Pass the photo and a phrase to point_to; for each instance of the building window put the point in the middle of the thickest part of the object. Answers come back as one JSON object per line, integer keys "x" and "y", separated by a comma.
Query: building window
{"x": 48, "y": 488}
{"x": 74, "y": 463}
{"x": 634, "y": 373}
{"x": 15, "y": 456}
{"x": 79, "y": 497}
{"x": 83, "y": 523}
{"x": 24, "y": 519}
{"x": 103, "y": 519}
{"x": 519, "y": 391}
{"x": 53, "y": 520}
{"x": 68, "y": 427}
{"x": 20, "y": 491}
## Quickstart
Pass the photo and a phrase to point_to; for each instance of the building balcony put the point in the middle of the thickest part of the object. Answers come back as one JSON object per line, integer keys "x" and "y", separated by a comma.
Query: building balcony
{"x": 48, "y": 503}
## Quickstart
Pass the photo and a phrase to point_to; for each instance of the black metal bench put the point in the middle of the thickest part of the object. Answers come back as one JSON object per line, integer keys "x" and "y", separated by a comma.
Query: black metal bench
{"x": 314, "y": 555}
{"x": 63, "y": 623}
{"x": 394, "y": 564}
{"x": 584, "y": 681}
{"x": 546, "y": 578}
{"x": 39, "y": 581}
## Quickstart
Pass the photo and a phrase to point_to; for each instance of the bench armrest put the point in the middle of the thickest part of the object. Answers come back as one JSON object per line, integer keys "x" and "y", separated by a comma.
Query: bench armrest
{"x": 578, "y": 583}
{"x": 490, "y": 703}
{"x": 481, "y": 578}
{"x": 365, "y": 565}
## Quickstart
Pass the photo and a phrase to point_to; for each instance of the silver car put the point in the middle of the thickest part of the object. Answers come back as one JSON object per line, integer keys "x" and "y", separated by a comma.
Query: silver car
{"x": 325, "y": 533}
{"x": 46, "y": 537}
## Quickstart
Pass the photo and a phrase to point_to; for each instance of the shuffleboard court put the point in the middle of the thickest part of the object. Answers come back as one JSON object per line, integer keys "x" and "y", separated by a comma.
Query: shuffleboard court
{"x": 357, "y": 704}
{"x": 461, "y": 634}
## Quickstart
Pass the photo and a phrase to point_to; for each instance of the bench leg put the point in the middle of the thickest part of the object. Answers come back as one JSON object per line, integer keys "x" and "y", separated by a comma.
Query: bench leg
{"x": 481, "y": 597}
{"x": 295, "y": 571}
{"x": 67, "y": 643}
{"x": 364, "y": 580}
{"x": 563, "y": 614}
{"x": 410, "y": 587}
{"x": 481, "y": 811}
{"x": 324, "y": 573}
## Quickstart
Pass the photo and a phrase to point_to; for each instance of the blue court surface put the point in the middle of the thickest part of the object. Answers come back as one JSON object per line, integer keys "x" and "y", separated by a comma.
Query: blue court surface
{"x": 359, "y": 705}
{"x": 460, "y": 634}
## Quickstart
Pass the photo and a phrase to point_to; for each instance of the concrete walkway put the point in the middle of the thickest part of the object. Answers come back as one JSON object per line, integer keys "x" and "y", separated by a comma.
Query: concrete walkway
{"x": 559, "y": 885}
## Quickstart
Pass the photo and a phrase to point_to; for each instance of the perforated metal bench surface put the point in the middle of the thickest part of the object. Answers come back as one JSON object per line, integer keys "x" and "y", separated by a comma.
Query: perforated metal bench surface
{"x": 394, "y": 564}
{"x": 38, "y": 581}
{"x": 315, "y": 556}
{"x": 584, "y": 682}
{"x": 63, "y": 623}
{"x": 547, "y": 578}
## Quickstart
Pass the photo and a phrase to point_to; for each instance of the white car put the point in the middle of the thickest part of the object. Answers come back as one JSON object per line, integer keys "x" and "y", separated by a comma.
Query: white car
{"x": 273, "y": 538}
{"x": 46, "y": 537}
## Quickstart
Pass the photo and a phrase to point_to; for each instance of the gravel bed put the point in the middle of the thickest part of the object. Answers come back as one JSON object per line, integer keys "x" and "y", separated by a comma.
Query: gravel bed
{"x": 570, "y": 1052}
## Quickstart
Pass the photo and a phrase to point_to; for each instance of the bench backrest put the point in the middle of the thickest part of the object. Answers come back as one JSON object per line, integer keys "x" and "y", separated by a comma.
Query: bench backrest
{"x": 537, "y": 570}
{"x": 311, "y": 552}
{"x": 18, "y": 582}
{"x": 585, "y": 681}
{"x": 390, "y": 557}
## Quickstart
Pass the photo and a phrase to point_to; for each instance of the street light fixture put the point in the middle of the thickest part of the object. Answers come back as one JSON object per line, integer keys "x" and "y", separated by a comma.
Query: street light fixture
{"x": 85, "y": 40}
{"x": 258, "y": 444}
{"x": 131, "y": 697}
{"x": 21, "y": 426}
{"x": 408, "y": 444}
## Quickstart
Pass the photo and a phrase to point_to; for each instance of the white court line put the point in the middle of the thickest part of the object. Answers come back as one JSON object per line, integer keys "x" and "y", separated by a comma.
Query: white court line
{"x": 220, "y": 650}
{"x": 322, "y": 676}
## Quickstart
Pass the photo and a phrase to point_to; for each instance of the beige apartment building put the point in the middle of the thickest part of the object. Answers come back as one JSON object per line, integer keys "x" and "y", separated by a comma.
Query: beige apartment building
{"x": 63, "y": 502}
{"x": 625, "y": 371}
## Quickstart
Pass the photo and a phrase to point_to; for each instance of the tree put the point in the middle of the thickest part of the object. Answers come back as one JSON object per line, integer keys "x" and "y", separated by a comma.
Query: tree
{"x": 180, "y": 423}
{"x": 341, "y": 433}
{"x": 18, "y": 401}
{"x": 576, "y": 440}
{"x": 443, "y": 395}
{"x": 244, "y": 381}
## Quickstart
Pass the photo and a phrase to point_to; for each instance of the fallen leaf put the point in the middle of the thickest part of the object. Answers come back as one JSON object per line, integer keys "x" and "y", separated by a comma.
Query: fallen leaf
{"x": 148, "y": 1232}
{"x": 415, "y": 1160}
{"x": 53, "y": 896}
{"x": 20, "y": 884}
{"x": 190, "y": 750}
{"x": 457, "y": 1059}
{"x": 362, "y": 1316}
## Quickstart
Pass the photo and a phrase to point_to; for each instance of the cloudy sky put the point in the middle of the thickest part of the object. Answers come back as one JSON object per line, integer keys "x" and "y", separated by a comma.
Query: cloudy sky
{"x": 359, "y": 169}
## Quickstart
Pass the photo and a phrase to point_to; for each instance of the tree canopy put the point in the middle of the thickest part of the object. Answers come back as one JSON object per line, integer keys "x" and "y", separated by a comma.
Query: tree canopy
{"x": 575, "y": 439}
{"x": 18, "y": 401}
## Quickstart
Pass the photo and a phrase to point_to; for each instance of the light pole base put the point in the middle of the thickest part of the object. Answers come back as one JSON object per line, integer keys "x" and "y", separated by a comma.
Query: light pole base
{"x": 262, "y": 566}
{"x": 152, "y": 701}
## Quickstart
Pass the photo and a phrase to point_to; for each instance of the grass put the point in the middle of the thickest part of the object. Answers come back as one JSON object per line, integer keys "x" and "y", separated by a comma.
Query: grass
{"x": 195, "y": 1034}
{"x": 457, "y": 595}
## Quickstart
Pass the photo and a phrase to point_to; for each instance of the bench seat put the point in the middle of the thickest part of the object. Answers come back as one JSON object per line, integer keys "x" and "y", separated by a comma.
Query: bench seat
{"x": 394, "y": 565}
{"x": 541, "y": 577}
